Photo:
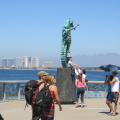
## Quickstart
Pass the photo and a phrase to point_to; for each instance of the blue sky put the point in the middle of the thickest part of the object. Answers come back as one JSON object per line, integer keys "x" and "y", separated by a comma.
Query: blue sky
{"x": 34, "y": 27}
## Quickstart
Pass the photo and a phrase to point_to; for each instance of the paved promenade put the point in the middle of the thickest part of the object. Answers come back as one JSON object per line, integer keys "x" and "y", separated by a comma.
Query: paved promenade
{"x": 95, "y": 109}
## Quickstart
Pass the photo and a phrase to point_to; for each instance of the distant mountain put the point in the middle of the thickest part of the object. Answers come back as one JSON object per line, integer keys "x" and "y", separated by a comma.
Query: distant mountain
{"x": 0, "y": 62}
{"x": 88, "y": 61}
{"x": 97, "y": 60}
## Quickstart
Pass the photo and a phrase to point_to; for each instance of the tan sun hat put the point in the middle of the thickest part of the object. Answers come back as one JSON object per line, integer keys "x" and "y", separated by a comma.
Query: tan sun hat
{"x": 41, "y": 73}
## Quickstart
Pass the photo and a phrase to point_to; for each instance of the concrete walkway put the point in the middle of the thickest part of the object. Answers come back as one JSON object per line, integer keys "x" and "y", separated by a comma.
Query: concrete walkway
{"x": 94, "y": 109}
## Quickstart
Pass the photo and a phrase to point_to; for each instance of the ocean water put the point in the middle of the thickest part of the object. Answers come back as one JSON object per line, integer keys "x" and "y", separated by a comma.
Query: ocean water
{"x": 9, "y": 74}
{"x": 94, "y": 90}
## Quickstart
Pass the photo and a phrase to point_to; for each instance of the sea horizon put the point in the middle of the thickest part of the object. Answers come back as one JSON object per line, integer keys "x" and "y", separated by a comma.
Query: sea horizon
{"x": 22, "y": 74}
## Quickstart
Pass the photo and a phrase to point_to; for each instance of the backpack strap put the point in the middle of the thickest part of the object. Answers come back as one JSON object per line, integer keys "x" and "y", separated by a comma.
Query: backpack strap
{"x": 26, "y": 106}
{"x": 39, "y": 83}
{"x": 52, "y": 94}
{"x": 51, "y": 87}
{"x": 38, "y": 89}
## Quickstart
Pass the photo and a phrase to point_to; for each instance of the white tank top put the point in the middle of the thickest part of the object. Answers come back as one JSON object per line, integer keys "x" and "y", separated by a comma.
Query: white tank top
{"x": 115, "y": 85}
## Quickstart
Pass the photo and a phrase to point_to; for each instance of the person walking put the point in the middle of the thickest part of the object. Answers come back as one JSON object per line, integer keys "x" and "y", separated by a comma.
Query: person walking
{"x": 108, "y": 78}
{"x": 80, "y": 84}
{"x": 113, "y": 96}
{"x": 48, "y": 113}
{"x": 36, "y": 111}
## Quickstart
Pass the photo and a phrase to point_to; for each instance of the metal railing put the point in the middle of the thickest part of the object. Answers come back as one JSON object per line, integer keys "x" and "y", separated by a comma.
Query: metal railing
{"x": 14, "y": 90}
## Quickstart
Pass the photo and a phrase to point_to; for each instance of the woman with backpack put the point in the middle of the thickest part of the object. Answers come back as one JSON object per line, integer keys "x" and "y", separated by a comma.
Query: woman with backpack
{"x": 36, "y": 110}
{"x": 48, "y": 112}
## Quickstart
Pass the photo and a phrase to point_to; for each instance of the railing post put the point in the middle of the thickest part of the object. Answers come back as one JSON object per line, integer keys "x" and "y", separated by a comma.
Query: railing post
{"x": 18, "y": 91}
{"x": 87, "y": 89}
{"x": 4, "y": 92}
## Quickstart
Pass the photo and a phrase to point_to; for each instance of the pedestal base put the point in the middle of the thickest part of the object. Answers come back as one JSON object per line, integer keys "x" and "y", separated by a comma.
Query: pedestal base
{"x": 66, "y": 85}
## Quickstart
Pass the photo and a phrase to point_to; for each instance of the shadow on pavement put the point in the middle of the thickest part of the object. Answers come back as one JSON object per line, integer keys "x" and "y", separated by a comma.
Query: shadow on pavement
{"x": 1, "y": 118}
{"x": 107, "y": 113}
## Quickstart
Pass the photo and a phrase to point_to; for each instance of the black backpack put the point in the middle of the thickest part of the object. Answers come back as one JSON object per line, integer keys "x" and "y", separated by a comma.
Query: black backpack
{"x": 30, "y": 90}
{"x": 43, "y": 98}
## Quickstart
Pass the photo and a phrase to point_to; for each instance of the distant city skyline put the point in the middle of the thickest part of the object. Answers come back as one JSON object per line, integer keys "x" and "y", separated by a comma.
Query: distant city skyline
{"x": 85, "y": 61}
{"x": 34, "y": 28}
{"x": 24, "y": 62}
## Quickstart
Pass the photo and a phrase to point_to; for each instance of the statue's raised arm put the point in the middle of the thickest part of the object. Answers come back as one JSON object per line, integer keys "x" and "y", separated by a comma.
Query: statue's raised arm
{"x": 75, "y": 27}
{"x": 66, "y": 40}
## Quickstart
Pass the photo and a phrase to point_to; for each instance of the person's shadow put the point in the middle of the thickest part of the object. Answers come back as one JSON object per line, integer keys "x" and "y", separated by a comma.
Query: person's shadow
{"x": 1, "y": 118}
{"x": 107, "y": 113}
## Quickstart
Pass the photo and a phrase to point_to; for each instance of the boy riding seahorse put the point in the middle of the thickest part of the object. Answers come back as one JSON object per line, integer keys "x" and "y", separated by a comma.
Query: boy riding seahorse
{"x": 66, "y": 40}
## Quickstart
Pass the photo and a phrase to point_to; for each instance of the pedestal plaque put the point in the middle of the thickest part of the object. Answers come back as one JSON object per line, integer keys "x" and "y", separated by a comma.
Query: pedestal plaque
{"x": 65, "y": 83}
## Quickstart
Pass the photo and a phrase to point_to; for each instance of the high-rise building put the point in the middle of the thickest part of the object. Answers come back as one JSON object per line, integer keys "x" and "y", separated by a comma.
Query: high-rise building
{"x": 47, "y": 64}
{"x": 33, "y": 62}
{"x": 25, "y": 62}
{"x": 4, "y": 62}
{"x": 29, "y": 62}
{"x": 17, "y": 62}
{"x": 10, "y": 62}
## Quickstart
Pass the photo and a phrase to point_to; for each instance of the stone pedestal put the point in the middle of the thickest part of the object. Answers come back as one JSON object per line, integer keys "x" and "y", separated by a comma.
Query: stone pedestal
{"x": 66, "y": 86}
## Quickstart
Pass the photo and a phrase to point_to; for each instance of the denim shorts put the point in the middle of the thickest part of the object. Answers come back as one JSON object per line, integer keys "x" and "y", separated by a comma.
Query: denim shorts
{"x": 113, "y": 96}
{"x": 108, "y": 95}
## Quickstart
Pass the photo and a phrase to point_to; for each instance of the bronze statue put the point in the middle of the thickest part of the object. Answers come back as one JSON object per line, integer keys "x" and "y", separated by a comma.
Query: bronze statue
{"x": 66, "y": 41}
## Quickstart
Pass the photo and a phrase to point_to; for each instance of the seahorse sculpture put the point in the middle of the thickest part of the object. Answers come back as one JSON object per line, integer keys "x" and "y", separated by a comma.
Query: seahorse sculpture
{"x": 66, "y": 41}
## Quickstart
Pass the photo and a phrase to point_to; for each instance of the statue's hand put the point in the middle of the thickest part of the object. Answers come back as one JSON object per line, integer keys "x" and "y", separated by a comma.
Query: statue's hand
{"x": 75, "y": 27}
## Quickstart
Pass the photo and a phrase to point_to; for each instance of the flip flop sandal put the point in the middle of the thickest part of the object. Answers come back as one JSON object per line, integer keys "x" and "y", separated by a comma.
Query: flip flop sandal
{"x": 111, "y": 114}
